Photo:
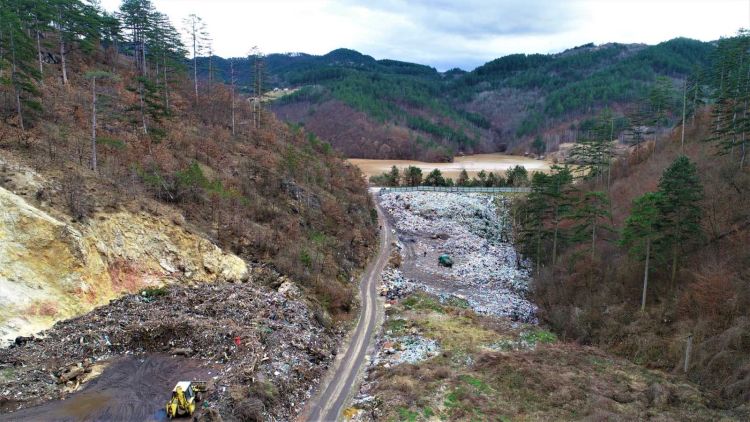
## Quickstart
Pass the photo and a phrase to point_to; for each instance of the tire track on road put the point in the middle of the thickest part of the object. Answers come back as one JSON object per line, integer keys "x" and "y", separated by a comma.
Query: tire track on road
{"x": 330, "y": 403}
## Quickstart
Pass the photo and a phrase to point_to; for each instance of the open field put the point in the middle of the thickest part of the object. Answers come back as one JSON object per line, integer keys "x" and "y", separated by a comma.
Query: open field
{"x": 472, "y": 163}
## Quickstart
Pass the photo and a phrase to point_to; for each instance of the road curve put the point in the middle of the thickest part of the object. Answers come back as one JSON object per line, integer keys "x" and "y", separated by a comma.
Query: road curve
{"x": 328, "y": 406}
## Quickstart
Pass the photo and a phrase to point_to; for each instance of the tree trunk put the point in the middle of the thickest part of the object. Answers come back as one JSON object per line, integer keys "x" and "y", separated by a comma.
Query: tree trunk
{"x": 166, "y": 88}
{"x": 554, "y": 245}
{"x": 674, "y": 266}
{"x": 143, "y": 53}
{"x": 210, "y": 73}
{"x": 645, "y": 275}
{"x": 684, "y": 115}
{"x": 143, "y": 109}
{"x": 593, "y": 240}
{"x": 195, "y": 66}
{"x": 62, "y": 61}
{"x": 538, "y": 250}
{"x": 695, "y": 103}
{"x": 93, "y": 124}
{"x": 231, "y": 67}
{"x": 14, "y": 80}
{"x": 39, "y": 55}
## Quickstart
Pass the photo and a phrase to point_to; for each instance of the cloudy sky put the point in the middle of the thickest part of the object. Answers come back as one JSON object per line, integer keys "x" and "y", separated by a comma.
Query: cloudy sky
{"x": 450, "y": 33}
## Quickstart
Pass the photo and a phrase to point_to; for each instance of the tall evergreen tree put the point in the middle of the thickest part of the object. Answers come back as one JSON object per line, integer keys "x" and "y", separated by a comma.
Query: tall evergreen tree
{"x": 680, "y": 191}
{"x": 198, "y": 40}
{"x": 591, "y": 213}
{"x": 413, "y": 176}
{"x": 463, "y": 178}
{"x": 78, "y": 25}
{"x": 732, "y": 87}
{"x": 594, "y": 150}
{"x": 19, "y": 57}
{"x": 641, "y": 232}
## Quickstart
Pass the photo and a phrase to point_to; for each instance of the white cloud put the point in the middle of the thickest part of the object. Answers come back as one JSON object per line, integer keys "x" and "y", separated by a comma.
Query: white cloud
{"x": 445, "y": 33}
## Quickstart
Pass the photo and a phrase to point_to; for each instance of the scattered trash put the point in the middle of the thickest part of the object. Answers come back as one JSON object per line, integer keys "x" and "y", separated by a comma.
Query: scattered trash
{"x": 469, "y": 235}
{"x": 405, "y": 349}
{"x": 247, "y": 332}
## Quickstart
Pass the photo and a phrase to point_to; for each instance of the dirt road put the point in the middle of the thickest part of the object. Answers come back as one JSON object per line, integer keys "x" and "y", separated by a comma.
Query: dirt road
{"x": 328, "y": 406}
{"x": 130, "y": 389}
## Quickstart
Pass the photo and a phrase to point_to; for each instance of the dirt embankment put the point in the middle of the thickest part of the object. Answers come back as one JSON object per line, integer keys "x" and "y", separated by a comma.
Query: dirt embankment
{"x": 265, "y": 349}
{"x": 53, "y": 267}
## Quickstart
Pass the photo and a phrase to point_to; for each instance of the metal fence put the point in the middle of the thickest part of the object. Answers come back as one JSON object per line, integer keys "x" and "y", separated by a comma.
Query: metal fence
{"x": 455, "y": 189}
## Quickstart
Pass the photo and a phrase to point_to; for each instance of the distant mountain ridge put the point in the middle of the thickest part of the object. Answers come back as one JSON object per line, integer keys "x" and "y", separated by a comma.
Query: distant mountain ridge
{"x": 392, "y": 109}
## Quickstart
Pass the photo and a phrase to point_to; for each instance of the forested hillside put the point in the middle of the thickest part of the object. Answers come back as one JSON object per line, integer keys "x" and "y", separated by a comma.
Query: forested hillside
{"x": 388, "y": 109}
{"x": 646, "y": 255}
{"x": 106, "y": 105}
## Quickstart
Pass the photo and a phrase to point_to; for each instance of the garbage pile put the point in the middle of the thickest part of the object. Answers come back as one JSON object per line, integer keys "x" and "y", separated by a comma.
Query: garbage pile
{"x": 249, "y": 333}
{"x": 474, "y": 231}
{"x": 394, "y": 285}
{"x": 405, "y": 349}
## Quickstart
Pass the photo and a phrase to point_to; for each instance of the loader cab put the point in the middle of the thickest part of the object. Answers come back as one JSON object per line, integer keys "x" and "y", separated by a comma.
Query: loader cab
{"x": 187, "y": 390}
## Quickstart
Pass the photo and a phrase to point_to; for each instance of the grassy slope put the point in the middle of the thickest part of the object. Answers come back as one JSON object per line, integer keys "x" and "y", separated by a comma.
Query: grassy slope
{"x": 492, "y": 369}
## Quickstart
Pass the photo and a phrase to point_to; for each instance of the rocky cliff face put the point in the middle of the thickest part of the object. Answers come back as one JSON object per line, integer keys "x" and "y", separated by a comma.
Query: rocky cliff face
{"x": 51, "y": 269}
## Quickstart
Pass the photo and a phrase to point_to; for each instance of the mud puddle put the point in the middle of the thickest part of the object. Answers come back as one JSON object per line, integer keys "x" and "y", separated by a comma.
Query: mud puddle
{"x": 129, "y": 389}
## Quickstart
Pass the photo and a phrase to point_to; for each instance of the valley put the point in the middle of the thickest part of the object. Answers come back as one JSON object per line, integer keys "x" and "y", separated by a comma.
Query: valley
{"x": 466, "y": 212}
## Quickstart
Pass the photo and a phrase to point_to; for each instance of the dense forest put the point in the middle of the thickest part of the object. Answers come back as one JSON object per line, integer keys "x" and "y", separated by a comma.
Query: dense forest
{"x": 642, "y": 254}
{"x": 388, "y": 109}
{"x": 112, "y": 107}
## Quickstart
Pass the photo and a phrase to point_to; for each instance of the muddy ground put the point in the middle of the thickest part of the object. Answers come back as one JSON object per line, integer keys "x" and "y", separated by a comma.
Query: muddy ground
{"x": 129, "y": 388}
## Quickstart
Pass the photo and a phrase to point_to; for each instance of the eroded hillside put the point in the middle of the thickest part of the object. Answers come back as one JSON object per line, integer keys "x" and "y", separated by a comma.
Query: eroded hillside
{"x": 52, "y": 267}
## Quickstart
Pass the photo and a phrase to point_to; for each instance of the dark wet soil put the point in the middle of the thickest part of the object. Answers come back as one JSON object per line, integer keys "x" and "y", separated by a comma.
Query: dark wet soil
{"x": 129, "y": 389}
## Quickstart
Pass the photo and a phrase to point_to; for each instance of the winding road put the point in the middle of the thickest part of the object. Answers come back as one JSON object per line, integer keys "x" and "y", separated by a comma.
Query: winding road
{"x": 329, "y": 404}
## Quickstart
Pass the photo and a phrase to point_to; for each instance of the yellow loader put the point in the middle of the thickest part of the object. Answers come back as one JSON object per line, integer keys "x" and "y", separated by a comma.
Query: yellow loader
{"x": 185, "y": 396}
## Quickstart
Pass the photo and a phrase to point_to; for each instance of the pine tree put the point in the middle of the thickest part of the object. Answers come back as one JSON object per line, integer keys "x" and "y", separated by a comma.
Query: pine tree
{"x": 517, "y": 176}
{"x": 558, "y": 193}
{"x": 197, "y": 35}
{"x": 638, "y": 128}
{"x": 93, "y": 76}
{"x": 463, "y": 178}
{"x": 547, "y": 206}
{"x": 591, "y": 212}
{"x": 19, "y": 58}
{"x": 394, "y": 178}
{"x": 258, "y": 83}
{"x": 492, "y": 180}
{"x": 534, "y": 211}
{"x": 594, "y": 150}
{"x": 661, "y": 101}
{"x": 78, "y": 24}
{"x": 732, "y": 87}
{"x": 435, "y": 178}
{"x": 166, "y": 51}
{"x": 413, "y": 176}
{"x": 136, "y": 17}
{"x": 641, "y": 232}
{"x": 680, "y": 191}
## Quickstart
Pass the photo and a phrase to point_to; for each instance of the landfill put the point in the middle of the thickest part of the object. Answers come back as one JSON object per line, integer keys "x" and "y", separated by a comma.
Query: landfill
{"x": 474, "y": 230}
{"x": 251, "y": 334}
